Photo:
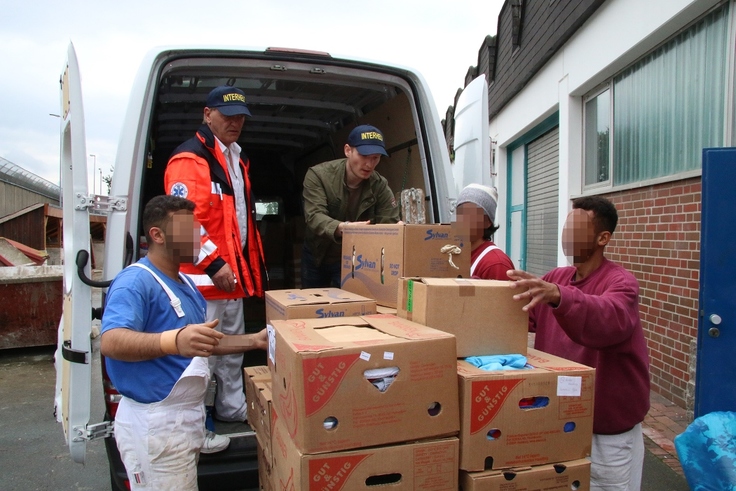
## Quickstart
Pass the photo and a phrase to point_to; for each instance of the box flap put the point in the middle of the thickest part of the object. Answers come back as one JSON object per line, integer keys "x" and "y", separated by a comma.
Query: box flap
{"x": 552, "y": 363}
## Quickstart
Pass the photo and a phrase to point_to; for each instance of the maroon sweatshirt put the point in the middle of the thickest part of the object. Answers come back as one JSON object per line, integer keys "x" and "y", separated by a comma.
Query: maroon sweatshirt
{"x": 597, "y": 324}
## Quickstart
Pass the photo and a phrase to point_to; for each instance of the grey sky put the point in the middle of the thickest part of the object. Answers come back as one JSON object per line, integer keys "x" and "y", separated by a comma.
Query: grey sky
{"x": 439, "y": 38}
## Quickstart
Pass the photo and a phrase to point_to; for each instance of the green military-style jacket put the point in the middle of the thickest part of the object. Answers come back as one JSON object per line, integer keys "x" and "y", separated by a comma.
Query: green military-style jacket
{"x": 326, "y": 205}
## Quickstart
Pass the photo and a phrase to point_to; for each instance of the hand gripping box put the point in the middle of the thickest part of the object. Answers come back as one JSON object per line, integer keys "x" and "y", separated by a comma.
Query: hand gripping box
{"x": 533, "y": 416}
{"x": 562, "y": 476}
{"x": 374, "y": 257}
{"x": 317, "y": 303}
{"x": 482, "y": 314}
{"x": 429, "y": 465}
{"x": 356, "y": 382}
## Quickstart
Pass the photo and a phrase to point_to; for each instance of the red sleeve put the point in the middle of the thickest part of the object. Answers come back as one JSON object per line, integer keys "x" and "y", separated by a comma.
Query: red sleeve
{"x": 189, "y": 178}
{"x": 600, "y": 321}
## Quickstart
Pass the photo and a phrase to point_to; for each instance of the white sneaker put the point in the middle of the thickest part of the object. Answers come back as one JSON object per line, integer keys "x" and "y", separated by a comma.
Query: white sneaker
{"x": 214, "y": 443}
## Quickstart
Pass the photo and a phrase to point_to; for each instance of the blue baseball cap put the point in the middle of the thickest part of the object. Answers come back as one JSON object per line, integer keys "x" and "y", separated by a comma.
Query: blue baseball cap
{"x": 230, "y": 101}
{"x": 368, "y": 140}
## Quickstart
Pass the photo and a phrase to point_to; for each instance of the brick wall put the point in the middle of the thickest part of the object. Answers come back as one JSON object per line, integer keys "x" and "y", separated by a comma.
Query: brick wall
{"x": 658, "y": 239}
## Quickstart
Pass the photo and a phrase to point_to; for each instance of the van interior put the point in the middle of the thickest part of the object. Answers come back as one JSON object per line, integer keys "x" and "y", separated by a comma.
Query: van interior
{"x": 303, "y": 107}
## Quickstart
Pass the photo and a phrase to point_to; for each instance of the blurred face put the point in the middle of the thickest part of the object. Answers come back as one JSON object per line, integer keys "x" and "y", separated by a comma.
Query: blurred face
{"x": 182, "y": 236}
{"x": 579, "y": 239}
{"x": 227, "y": 129}
{"x": 360, "y": 166}
{"x": 472, "y": 220}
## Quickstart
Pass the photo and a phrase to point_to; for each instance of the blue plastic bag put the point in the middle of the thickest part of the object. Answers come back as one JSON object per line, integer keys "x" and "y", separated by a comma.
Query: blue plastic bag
{"x": 707, "y": 452}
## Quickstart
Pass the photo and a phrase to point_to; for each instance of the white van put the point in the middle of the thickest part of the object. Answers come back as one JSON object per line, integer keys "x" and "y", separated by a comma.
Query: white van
{"x": 304, "y": 104}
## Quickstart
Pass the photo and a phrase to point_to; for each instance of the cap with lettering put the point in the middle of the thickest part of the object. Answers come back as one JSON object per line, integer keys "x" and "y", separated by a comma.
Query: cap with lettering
{"x": 368, "y": 140}
{"x": 230, "y": 101}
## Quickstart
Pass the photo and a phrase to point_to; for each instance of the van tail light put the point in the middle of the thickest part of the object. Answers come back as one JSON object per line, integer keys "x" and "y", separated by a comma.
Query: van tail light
{"x": 112, "y": 396}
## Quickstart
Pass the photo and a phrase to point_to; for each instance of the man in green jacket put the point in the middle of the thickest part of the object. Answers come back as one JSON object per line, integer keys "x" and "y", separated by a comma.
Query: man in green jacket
{"x": 339, "y": 192}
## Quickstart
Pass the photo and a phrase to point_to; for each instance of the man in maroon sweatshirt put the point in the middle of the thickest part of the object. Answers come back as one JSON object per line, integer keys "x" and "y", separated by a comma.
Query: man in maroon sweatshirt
{"x": 589, "y": 313}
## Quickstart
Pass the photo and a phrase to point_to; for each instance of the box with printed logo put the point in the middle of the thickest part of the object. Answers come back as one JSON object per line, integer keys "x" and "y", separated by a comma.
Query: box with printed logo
{"x": 429, "y": 465}
{"x": 344, "y": 383}
{"x": 482, "y": 314}
{"x": 562, "y": 476}
{"x": 533, "y": 416}
{"x": 316, "y": 303}
{"x": 374, "y": 257}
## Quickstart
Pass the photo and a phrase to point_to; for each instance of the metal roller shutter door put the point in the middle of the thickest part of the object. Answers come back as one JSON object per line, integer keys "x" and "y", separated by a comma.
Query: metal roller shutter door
{"x": 542, "y": 203}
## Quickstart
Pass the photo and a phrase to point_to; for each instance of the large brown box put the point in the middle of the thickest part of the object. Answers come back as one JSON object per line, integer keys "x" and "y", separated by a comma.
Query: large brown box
{"x": 512, "y": 418}
{"x": 562, "y": 476}
{"x": 482, "y": 314}
{"x": 374, "y": 257}
{"x": 317, "y": 303}
{"x": 429, "y": 465}
{"x": 328, "y": 404}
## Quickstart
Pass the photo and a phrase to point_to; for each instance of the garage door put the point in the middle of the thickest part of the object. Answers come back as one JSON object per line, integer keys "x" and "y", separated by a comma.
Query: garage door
{"x": 542, "y": 200}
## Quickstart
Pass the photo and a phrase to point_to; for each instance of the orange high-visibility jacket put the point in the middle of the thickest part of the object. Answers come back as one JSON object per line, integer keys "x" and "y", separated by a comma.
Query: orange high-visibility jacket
{"x": 198, "y": 172}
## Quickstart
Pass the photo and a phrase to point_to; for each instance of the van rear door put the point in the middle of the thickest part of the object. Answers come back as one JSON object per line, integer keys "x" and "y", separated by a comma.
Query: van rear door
{"x": 74, "y": 355}
{"x": 472, "y": 141}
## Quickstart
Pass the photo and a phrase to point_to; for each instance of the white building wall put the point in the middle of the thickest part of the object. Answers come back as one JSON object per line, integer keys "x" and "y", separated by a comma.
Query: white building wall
{"x": 619, "y": 33}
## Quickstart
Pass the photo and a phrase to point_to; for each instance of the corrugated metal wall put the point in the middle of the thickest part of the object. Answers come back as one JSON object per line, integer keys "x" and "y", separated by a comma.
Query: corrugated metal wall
{"x": 14, "y": 198}
{"x": 542, "y": 202}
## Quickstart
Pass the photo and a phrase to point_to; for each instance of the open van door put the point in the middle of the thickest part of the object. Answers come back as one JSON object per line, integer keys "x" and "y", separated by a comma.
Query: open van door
{"x": 74, "y": 353}
{"x": 472, "y": 142}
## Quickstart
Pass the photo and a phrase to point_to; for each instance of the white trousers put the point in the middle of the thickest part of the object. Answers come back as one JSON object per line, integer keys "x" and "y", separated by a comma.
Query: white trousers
{"x": 159, "y": 442}
{"x": 228, "y": 369}
{"x": 617, "y": 461}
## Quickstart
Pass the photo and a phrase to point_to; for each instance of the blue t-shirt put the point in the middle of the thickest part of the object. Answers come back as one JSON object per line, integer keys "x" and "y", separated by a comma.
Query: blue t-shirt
{"x": 137, "y": 301}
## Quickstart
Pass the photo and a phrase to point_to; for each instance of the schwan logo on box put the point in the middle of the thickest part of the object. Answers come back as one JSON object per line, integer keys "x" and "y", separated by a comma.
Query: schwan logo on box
{"x": 432, "y": 235}
{"x": 364, "y": 263}
{"x": 324, "y": 313}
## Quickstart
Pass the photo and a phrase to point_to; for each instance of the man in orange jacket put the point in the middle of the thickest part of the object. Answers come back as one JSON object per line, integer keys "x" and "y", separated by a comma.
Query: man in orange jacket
{"x": 208, "y": 170}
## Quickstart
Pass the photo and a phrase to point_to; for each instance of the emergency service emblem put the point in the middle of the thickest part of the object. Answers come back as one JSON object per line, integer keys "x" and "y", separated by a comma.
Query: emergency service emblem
{"x": 179, "y": 190}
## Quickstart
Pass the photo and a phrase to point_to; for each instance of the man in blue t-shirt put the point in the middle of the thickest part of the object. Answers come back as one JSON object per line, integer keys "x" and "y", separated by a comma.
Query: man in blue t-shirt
{"x": 156, "y": 343}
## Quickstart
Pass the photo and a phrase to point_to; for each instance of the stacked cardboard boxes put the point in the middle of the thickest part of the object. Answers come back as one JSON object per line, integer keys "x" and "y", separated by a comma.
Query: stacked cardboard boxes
{"x": 258, "y": 398}
{"x": 375, "y": 257}
{"x": 539, "y": 415}
{"x": 361, "y": 401}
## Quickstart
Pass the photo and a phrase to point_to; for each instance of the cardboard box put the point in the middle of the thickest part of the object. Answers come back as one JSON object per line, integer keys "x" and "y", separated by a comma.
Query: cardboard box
{"x": 374, "y": 257}
{"x": 252, "y": 375}
{"x": 429, "y": 465}
{"x": 535, "y": 416}
{"x": 265, "y": 469}
{"x": 316, "y": 303}
{"x": 563, "y": 476}
{"x": 482, "y": 314}
{"x": 261, "y": 423}
{"x": 321, "y": 390}
{"x": 380, "y": 309}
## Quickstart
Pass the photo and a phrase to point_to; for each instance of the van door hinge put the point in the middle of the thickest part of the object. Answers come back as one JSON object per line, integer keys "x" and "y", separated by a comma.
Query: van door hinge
{"x": 100, "y": 203}
{"x": 93, "y": 432}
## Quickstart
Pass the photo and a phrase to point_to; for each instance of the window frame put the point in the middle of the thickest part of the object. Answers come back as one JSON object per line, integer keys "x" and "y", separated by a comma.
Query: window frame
{"x": 600, "y": 89}
{"x": 729, "y": 130}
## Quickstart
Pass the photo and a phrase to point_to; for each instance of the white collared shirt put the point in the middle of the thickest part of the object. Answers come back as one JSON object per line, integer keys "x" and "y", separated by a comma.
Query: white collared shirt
{"x": 232, "y": 156}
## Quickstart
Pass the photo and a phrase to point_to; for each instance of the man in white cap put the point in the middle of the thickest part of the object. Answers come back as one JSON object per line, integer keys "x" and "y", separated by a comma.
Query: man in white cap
{"x": 476, "y": 210}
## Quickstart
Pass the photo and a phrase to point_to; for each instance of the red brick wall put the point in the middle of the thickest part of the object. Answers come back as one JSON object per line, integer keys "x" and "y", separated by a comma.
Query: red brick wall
{"x": 658, "y": 239}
